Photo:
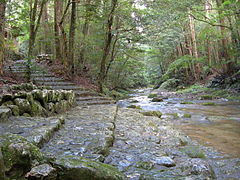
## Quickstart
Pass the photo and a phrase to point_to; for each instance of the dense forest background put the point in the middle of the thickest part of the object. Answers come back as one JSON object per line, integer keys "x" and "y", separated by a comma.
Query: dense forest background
{"x": 126, "y": 43}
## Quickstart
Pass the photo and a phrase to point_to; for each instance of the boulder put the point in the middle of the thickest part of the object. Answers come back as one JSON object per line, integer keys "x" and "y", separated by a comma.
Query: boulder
{"x": 14, "y": 109}
{"x": 73, "y": 167}
{"x": 37, "y": 109}
{"x": 42, "y": 172}
{"x": 157, "y": 99}
{"x": 51, "y": 108}
{"x": 165, "y": 161}
{"x": 5, "y": 113}
{"x": 41, "y": 96}
{"x": 7, "y": 103}
{"x": 18, "y": 152}
{"x": 23, "y": 105}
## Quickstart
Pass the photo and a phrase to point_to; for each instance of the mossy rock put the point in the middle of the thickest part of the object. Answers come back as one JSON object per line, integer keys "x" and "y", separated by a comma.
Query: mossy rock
{"x": 193, "y": 151}
{"x": 134, "y": 107}
{"x": 208, "y": 104}
{"x": 18, "y": 152}
{"x": 152, "y": 113}
{"x": 187, "y": 116}
{"x": 157, "y": 99}
{"x": 73, "y": 167}
{"x": 186, "y": 102}
{"x": 7, "y": 103}
{"x": 14, "y": 109}
{"x": 145, "y": 165}
{"x": 152, "y": 95}
{"x": 175, "y": 115}
{"x": 206, "y": 97}
{"x": 170, "y": 84}
{"x": 23, "y": 105}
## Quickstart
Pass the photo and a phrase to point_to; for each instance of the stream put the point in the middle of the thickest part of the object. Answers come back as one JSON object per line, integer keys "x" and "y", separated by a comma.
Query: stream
{"x": 217, "y": 127}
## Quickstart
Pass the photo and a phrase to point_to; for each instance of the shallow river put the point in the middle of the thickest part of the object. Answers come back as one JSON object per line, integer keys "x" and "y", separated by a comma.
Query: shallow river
{"x": 217, "y": 126}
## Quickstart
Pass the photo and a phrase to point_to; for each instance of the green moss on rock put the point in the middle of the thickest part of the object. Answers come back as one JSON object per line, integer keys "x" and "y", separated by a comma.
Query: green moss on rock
{"x": 157, "y": 99}
{"x": 193, "y": 152}
{"x": 208, "y": 104}
{"x": 186, "y": 102}
{"x": 145, "y": 165}
{"x": 134, "y": 107}
{"x": 152, "y": 113}
{"x": 206, "y": 97}
{"x": 187, "y": 115}
{"x": 73, "y": 167}
{"x": 152, "y": 95}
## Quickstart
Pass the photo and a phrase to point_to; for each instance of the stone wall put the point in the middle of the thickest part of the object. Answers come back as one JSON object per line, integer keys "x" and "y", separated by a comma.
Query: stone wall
{"x": 28, "y": 100}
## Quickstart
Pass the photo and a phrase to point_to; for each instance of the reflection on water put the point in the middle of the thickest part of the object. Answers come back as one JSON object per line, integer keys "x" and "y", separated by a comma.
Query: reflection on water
{"x": 217, "y": 126}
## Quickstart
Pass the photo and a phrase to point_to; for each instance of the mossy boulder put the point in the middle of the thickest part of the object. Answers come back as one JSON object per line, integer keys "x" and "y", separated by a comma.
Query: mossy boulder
{"x": 7, "y": 103}
{"x": 23, "y": 105}
{"x": 134, "y": 107}
{"x": 187, "y": 116}
{"x": 145, "y": 165}
{"x": 157, "y": 99}
{"x": 206, "y": 97}
{"x": 74, "y": 167}
{"x": 5, "y": 113}
{"x": 37, "y": 109}
{"x": 152, "y": 113}
{"x": 19, "y": 153}
{"x": 186, "y": 102}
{"x": 14, "y": 109}
{"x": 209, "y": 104}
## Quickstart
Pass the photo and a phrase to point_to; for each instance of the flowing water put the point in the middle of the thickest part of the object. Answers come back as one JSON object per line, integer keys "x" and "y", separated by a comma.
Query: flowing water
{"x": 216, "y": 126}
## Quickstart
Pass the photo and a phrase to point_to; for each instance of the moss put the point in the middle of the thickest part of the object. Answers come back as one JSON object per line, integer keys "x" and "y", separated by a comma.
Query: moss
{"x": 152, "y": 113}
{"x": 157, "y": 99}
{"x": 73, "y": 167}
{"x": 145, "y": 165}
{"x": 134, "y": 107}
{"x": 208, "y": 104}
{"x": 186, "y": 102}
{"x": 187, "y": 115}
{"x": 206, "y": 97}
{"x": 192, "y": 89}
{"x": 18, "y": 152}
{"x": 152, "y": 95}
{"x": 193, "y": 152}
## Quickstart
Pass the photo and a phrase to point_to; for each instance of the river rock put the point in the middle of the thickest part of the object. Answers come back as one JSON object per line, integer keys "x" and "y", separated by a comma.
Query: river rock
{"x": 23, "y": 104}
{"x": 42, "y": 172}
{"x": 5, "y": 113}
{"x": 74, "y": 167}
{"x": 157, "y": 99}
{"x": 37, "y": 109}
{"x": 165, "y": 161}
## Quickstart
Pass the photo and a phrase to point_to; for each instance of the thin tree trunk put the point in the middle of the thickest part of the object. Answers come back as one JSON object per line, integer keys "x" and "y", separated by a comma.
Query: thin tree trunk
{"x": 107, "y": 45}
{"x": 2, "y": 25}
{"x": 2, "y": 167}
{"x": 47, "y": 49}
{"x": 72, "y": 37}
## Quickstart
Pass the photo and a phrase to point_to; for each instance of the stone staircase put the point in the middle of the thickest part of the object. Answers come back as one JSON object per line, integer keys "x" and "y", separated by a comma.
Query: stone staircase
{"x": 42, "y": 77}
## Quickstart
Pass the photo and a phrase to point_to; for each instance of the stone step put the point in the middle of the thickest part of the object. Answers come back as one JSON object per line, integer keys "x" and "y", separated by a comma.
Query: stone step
{"x": 70, "y": 87}
{"x": 35, "y": 129}
{"x": 46, "y": 75}
{"x": 94, "y": 102}
{"x": 47, "y": 79}
{"x": 84, "y": 93}
{"x": 54, "y": 83}
{"x": 90, "y": 98}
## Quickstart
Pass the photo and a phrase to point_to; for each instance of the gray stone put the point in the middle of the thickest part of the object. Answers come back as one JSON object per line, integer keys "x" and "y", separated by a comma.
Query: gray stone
{"x": 24, "y": 105}
{"x": 74, "y": 167}
{"x": 5, "y": 113}
{"x": 165, "y": 161}
{"x": 37, "y": 109}
{"x": 14, "y": 109}
{"x": 7, "y": 103}
{"x": 42, "y": 172}
{"x": 156, "y": 99}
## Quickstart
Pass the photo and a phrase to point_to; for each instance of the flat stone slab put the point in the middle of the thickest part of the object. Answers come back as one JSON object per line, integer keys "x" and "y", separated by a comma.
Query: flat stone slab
{"x": 88, "y": 132}
{"x": 36, "y": 130}
{"x": 94, "y": 102}
{"x": 147, "y": 147}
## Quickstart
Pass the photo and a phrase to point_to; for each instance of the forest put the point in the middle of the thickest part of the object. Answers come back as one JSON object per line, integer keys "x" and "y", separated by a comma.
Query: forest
{"x": 121, "y": 44}
{"x": 119, "y": 89}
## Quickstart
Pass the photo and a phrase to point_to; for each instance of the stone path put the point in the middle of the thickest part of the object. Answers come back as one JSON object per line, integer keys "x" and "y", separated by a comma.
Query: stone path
{"x": 41, "y": 76}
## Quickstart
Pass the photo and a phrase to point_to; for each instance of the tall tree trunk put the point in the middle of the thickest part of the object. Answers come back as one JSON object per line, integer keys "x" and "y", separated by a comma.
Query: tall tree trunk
{"x": 34, "y": 23}
{"x": 72, "y": 37}
{"x": 2, "y": 25}
{"x": 46, "y": 42}
{"x": 58, "y": 11}
{"x": 107, "y": 45}
{"x": 224, "y": 41}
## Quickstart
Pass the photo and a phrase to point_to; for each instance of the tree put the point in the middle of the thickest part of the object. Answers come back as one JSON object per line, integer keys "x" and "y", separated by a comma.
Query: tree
{"x": 2, "y": 25}
{"x": 107, "y": 44}
{"x": 35, "y": 19}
